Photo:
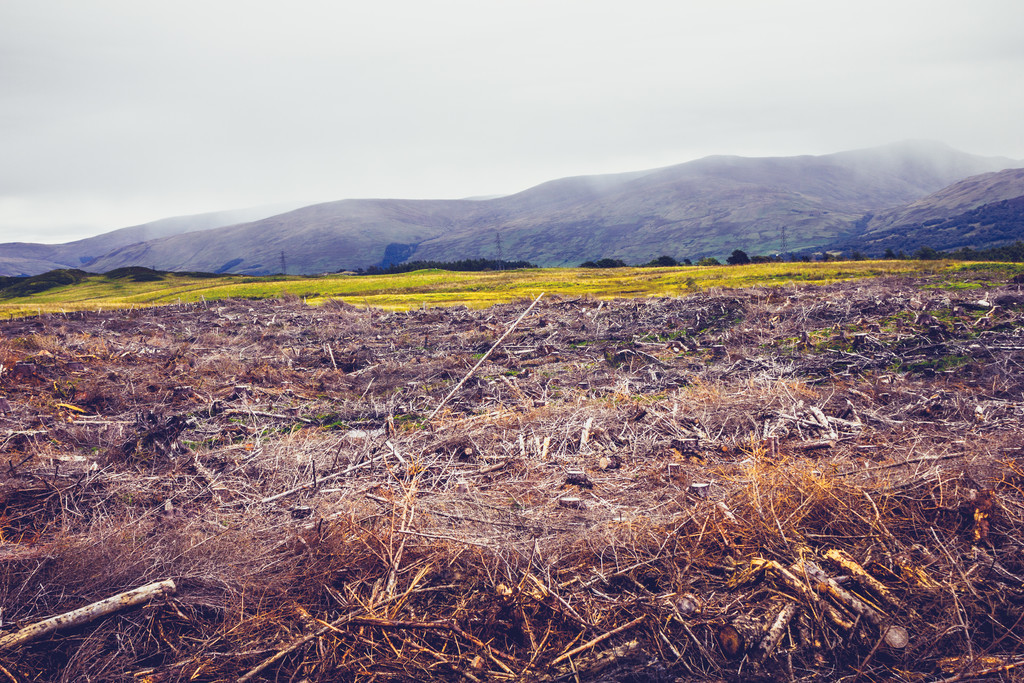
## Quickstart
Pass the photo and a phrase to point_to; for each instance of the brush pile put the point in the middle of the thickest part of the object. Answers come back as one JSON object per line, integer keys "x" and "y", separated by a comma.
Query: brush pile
{"x": 765, "y": 484}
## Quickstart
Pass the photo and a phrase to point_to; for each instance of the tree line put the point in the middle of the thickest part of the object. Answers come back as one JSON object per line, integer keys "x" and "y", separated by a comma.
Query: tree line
{"x": 1009, "y": 253}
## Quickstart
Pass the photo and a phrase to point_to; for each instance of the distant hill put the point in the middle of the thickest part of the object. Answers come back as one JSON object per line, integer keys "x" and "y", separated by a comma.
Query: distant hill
{"x": 351, "y": 233}
{"x": 706, "y": 207}
{"x": 709, "y": 207}
{"x": 979, "y": 212}
{"x": 23, "y": 258}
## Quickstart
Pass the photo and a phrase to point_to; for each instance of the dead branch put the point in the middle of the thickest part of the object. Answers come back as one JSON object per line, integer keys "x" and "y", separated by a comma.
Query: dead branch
{"x": 596, "y": 641}
{"x": 295, "y": 645}
{"x": 450, "y": 626}
{"x": 484, "y": 358}
{"x": 989, "y": 671}
{"x": 321, "y": 480}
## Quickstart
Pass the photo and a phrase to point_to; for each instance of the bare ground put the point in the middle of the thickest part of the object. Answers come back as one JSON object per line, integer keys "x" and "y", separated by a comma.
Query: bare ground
{"x": 626, "y": 490}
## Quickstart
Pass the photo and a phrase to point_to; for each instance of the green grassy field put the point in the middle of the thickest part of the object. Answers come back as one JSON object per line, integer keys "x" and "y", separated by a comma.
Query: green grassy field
{"x": 477, "y": 289}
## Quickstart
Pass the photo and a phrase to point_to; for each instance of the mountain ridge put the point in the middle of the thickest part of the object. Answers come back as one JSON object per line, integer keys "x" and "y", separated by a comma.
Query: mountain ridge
{"x": 981, "y": 211}
{"x": 78, "y": 253}
{"x": 705, "y": 207}
{"x": 755, "y": 204}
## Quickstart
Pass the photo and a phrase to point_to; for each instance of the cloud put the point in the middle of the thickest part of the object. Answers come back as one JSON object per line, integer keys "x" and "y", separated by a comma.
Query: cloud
{"x": 176, "y": 108}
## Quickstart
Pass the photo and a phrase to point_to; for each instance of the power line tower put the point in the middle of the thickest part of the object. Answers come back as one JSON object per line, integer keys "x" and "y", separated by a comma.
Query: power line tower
{"x": 782, "y": 232}
{"x": 500, "y": 250}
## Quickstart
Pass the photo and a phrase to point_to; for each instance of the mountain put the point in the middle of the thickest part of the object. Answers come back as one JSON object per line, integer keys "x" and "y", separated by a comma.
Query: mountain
{"x": 982, "y": 211}
{"x": 24, "y": 258}
{"x": 710, "y": 206}
{"x": 706, "y": 207}
{"x": 351, "y": 233}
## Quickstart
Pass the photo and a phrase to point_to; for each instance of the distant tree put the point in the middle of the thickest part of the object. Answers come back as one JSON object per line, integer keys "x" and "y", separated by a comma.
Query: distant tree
{"x": 857, "y": 256}
{"x": 662, "y": 262}
{"x": 687, "y": 262}
{"x": 889, "y": 254}
{"x": 709, "y": 261}
{"x": 927, "y": 254}
{"x": 738, "y": 258}
{"x": 1008, "y": 252}
{"x": 604, "y": 263}
{"x": 758, "y": 258}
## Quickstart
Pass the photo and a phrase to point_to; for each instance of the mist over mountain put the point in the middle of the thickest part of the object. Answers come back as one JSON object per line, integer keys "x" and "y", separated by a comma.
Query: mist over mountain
{"x": 706, "y": 207}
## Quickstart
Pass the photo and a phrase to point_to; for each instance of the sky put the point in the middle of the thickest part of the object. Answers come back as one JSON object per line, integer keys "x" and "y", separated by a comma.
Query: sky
{"x": 119, "y": 112}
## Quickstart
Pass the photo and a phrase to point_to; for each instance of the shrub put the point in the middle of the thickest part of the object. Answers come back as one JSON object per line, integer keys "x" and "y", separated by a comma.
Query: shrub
{"x": 738, "y": 258}
{"x": 662, "y": 261}
{"x": 605, "y": 263}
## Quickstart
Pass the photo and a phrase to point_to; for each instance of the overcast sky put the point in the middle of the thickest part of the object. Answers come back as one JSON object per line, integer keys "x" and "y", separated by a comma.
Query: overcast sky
{"x": 119, "y": 112}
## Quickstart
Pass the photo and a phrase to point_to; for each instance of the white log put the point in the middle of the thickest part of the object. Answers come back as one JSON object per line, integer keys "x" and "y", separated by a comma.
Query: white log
{"x": 84, "y": 615}
{"x": 774, "y": 635}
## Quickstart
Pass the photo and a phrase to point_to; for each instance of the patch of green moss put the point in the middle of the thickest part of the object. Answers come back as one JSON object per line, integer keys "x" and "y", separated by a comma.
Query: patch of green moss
{"x": 940, "y": 364}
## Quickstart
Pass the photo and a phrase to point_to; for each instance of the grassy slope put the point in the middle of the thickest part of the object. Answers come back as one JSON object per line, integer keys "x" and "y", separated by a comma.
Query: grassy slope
{"x": 436, "y": 287}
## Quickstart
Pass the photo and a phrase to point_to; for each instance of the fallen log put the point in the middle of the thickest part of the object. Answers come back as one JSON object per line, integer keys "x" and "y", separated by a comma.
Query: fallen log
{"x": 756, "y": 635}
{"x": 487, "y": 469}
{"x": 819, "y": 416}
{"x": 778, "y": 628}
{"x": 271, "y": 416}
{"x": 813, "y": 445}
{"x": 844, "y": 561}
{"x": 740, "y": 635}
{"x": 805, "y": 591}
{"x": 895, "y": 636}
{"x": 84, "y": 615}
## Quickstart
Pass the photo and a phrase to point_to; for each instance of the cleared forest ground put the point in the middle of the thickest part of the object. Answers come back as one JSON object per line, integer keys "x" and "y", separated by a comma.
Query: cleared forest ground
{"x": 791, "y": 483}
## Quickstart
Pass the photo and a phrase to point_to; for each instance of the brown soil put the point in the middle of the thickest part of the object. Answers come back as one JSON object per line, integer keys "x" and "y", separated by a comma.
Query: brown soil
{"x": 619, "y": 489}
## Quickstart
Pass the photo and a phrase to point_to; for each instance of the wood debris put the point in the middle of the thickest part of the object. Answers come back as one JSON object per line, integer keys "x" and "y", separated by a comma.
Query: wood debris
{"x": 772, "y": 484}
